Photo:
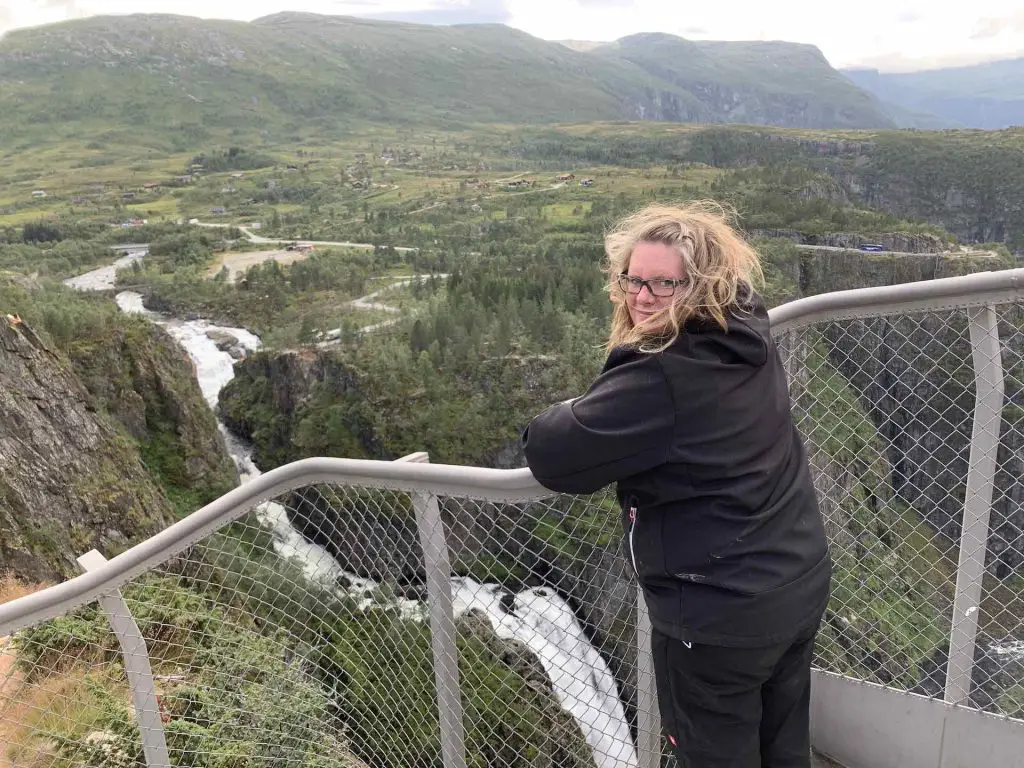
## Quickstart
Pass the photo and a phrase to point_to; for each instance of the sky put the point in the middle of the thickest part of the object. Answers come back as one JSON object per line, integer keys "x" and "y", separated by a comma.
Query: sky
{"x": 890, "y": 35}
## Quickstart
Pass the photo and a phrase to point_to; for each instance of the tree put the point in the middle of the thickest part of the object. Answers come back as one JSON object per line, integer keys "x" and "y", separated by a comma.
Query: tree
{"x": 419, "y": 338}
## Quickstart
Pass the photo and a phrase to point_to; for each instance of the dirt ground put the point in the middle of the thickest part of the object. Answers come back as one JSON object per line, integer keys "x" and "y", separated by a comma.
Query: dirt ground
{"x": 10, "y": 679}
{"x": 239, "y": 262}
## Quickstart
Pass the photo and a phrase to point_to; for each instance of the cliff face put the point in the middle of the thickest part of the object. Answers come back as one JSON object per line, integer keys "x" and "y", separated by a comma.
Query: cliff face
{"x": 139, "y": 375}
{"x": 69, "y": 481}
{"x": 915, "y": 381}
{"x": 900, "y": 242}
{"x": 102, "y": 448}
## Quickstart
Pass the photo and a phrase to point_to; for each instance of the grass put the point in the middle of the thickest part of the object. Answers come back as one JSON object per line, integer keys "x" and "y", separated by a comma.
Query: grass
{"x": 70, "y": 701}
{"x": 164, "y": 207}
{"x": 22, "y": 707}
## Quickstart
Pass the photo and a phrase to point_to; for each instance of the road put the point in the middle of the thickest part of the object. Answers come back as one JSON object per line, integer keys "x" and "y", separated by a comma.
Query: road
{"x": 260, "y": 240}
{"x": 962, "y": 251}
{"x": 369, "y": 302}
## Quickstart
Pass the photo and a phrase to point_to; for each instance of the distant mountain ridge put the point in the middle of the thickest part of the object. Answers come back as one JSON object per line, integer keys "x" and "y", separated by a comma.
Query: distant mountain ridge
{"x": 291, "y": 70}
{"x": 988, "y": 96}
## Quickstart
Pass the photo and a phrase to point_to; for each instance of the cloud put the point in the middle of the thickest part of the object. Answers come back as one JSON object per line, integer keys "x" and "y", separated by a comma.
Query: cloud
{"x": 993, "y": 27}
{"x": 478, "y": 12}
{"x": 897, "y": 62}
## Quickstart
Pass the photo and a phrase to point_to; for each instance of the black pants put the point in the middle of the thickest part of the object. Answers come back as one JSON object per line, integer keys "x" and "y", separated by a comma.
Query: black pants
{"x": 736, "y": 707}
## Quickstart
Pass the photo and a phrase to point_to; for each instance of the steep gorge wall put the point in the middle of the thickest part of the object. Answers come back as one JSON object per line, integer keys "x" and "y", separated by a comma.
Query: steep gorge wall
{"x": 68, "y": 481}
{"x": 100, "y": 450}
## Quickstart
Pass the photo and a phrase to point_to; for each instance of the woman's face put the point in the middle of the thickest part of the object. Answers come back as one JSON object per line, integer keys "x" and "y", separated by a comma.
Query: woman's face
{"x": 651, "y": 261}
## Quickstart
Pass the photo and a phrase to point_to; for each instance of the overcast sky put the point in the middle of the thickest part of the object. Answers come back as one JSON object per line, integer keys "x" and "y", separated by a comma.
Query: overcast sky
{"x": 893, "y": 35}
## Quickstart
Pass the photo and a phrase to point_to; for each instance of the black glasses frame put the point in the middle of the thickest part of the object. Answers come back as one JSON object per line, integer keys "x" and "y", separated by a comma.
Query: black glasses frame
{"x": 656, "y": 286}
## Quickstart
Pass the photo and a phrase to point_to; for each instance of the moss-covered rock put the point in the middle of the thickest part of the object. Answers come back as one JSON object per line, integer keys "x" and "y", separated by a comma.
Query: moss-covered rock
{"x": 139, "y": 375}
{"x": 70, "y": 478}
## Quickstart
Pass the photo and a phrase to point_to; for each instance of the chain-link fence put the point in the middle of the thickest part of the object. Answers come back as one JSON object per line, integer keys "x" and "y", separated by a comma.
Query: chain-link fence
{"x": 301, "y": 633}
{"x": 886, "y": 405}
{"x": 300, "y": 636}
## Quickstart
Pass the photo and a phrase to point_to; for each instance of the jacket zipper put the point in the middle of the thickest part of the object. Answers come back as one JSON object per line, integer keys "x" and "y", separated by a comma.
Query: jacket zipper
{"x": 632, "y": 527}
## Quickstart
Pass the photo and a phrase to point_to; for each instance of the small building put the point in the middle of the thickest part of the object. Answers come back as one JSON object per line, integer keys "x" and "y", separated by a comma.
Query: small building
{"x": 218, "y": 211}
{"x": 127, "y": 195}
{"x": 255, "y": 225}
{"x": 39, "y": 193}
{"x": 587, "y": 183}
{"x": 151, "y": 185}
{"x": 566, "y": 177}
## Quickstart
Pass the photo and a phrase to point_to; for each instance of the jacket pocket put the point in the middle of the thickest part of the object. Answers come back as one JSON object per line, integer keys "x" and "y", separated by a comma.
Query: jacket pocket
{"x": 687, "y": 542}
{"x": 642, "y": 540}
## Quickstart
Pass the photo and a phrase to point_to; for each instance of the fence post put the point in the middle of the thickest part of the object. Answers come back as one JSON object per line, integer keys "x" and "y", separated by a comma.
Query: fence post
{"x": 648, "y": 716}
{"x": 988, "y": 404}
{"x": 136, "y": 665}
{"x": 442, "y": 622}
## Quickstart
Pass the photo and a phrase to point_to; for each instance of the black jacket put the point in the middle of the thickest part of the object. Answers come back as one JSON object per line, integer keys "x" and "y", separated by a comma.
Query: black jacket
{"x": 718, "y": 507}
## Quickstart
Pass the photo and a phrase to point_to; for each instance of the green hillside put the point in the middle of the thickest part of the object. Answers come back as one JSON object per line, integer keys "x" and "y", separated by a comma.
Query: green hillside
{"x": 175, "y": 81}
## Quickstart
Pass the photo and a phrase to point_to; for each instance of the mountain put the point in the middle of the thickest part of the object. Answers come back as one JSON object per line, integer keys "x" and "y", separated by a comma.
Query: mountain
{"x": 762, "y": 83}
{"x": 296, "y": 73}
{"x": 988, "y": 96}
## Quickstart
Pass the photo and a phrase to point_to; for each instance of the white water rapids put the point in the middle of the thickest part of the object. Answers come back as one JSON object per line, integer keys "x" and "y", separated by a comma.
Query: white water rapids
{"x": 538, "y": 617}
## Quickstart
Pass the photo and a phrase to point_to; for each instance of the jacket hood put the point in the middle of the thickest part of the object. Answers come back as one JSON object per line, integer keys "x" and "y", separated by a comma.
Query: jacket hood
{"x": 746, "y": 342}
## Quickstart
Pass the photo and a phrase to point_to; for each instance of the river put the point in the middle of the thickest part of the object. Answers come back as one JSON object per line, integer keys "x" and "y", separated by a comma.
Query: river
{"x": 537, "y": 617}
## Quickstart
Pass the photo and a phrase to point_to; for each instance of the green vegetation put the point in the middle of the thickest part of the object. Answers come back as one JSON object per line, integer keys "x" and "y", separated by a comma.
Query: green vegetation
{"x": 336, "y": 684}
{"x": 890, "y": 596}
{"x": 140, "y": 381}
{"x": 514, "y": 216}
{"x": 173, "y": 82}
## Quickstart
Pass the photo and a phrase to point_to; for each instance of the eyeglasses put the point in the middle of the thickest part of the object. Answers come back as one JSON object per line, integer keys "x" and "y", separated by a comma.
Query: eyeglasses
{"x": 657, "y": 286}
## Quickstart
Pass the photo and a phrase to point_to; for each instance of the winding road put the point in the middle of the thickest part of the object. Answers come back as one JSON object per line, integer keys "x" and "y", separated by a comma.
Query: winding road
{"x": 260, "y": 240}
{"x": 962, "y": 251}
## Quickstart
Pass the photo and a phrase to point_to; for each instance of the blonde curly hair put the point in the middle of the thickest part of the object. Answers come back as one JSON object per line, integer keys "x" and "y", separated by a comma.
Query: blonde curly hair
{"x": 721, "y": 269}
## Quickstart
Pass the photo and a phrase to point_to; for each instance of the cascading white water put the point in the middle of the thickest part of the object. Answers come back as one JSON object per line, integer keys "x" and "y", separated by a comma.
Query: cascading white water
{"x": 537, "y": 617}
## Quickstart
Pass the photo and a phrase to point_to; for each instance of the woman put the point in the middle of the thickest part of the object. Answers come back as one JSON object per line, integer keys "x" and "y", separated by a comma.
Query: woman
{"x": 690, "y": 417}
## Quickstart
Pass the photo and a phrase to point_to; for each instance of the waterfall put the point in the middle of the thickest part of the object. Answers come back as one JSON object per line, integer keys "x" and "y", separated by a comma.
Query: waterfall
{"x": 536, "y": 617}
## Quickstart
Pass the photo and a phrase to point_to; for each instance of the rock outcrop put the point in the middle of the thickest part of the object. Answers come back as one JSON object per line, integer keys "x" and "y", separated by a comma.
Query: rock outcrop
{"x": 139, "y": 375}
{"x": 898, "y": 242}
{"x": 70, "y": 479}
{"x": 101, "y": 446}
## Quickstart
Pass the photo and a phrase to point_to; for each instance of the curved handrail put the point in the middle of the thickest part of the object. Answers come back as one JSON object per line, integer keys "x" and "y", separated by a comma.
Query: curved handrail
{"x": 495, "y": 484}
{"x": 448, "y": 480}
{"x": 942, "y": 293}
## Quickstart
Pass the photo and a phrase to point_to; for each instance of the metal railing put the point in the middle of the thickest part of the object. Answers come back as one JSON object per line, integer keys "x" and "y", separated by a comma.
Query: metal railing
{"x": 353, "y": 612}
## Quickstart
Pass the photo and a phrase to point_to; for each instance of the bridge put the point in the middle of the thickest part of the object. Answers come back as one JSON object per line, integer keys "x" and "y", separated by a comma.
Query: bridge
{"x": 463, "y": 617}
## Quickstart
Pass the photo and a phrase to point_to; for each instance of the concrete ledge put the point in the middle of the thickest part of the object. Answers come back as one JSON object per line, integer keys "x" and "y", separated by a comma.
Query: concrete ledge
{"x": 864, "y": 725}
